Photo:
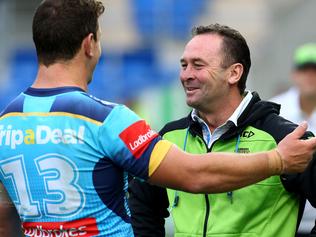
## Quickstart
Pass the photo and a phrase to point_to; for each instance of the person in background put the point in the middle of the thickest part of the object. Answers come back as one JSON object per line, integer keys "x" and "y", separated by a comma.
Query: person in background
{"x": 299, "y": 104}
{"x": 65, "y": 155}
{"x": 225, "y": 117}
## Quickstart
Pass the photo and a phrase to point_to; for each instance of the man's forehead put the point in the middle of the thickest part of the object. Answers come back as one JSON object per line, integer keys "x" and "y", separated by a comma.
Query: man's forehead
{"x": 193, "y": 59}
{"x": 202, "y": 45}
{"x": 209, "y": 42}
{"x": 206, "y": 37}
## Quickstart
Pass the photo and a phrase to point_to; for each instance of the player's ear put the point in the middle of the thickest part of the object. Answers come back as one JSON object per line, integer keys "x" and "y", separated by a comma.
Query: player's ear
{"x": 235, "y": 72}
{"x": 87, "y": 45}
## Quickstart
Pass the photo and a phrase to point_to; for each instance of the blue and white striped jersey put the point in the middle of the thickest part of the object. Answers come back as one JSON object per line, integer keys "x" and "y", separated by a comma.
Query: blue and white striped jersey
{"x": 64, "y": 161}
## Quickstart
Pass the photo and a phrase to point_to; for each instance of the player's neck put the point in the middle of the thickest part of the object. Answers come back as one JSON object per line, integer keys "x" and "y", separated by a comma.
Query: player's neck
{"x": 60, "y": 75}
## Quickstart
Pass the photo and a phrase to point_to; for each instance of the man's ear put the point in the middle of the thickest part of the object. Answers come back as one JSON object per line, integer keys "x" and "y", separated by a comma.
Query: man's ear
{"x": 235, "y": 73}
{"x": 88, "y": 43}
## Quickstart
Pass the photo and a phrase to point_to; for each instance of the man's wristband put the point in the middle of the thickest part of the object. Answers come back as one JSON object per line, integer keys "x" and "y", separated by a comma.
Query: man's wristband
{"x": 275, "y": 162}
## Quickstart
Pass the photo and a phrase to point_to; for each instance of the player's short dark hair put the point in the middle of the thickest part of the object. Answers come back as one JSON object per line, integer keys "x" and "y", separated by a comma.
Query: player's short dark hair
{"x": 59, "y": 26}
{"x": 234, "y": 47}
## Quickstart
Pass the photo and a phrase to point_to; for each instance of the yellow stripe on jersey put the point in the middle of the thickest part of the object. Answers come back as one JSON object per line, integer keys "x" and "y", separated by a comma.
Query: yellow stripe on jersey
{"x": 41, "y": 114}
{"x": 158, "y": 154}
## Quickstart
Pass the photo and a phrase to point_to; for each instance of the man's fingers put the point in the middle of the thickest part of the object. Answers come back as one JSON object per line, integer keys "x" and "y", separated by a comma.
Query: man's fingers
{"x": 300, "y": 130}
{"x": 311, "y": 142}
{"x": 295, "y": 152}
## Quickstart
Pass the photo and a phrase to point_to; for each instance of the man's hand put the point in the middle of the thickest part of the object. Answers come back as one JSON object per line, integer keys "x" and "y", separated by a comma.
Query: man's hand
{"x": 296, "y": 153}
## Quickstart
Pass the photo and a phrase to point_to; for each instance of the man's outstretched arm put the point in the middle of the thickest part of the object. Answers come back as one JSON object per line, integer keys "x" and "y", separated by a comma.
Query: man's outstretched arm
{"x": 221, "y": 172}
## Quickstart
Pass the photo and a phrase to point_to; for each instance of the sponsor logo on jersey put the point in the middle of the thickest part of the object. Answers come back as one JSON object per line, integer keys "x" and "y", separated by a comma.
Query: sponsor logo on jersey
{"x": 40, "y": 135}
{"x": 79, "y": 228}
{"x": 137, "y": 137}
{"x": 247, "y": 134}
{"x": 243, "y": 150}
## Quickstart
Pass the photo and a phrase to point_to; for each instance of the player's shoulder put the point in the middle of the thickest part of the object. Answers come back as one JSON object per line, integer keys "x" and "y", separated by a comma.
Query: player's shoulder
{"x": 16, "y": 105}
{"x": 70, "y": 100}
{"x": 95, "y": 101}
{"x": 82, "y": 103}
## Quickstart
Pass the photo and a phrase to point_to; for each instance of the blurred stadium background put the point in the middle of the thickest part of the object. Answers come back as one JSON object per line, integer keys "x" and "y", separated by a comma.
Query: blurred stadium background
{"x": 143, "y": 41}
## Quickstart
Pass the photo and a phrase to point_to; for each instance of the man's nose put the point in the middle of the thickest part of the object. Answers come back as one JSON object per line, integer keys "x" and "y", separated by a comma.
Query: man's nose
{"x": 186, "y": 73}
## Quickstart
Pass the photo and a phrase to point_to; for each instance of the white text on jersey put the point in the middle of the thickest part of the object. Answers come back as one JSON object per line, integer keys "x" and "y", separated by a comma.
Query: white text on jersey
{"x": 41, "y": 135}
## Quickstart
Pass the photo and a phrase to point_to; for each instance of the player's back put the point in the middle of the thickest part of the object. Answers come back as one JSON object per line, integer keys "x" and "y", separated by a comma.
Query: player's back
{"x": 63, "y": 181}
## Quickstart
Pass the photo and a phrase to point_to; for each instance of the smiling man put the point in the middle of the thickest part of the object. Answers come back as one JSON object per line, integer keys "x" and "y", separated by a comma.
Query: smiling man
{"x": 227, "y": 118}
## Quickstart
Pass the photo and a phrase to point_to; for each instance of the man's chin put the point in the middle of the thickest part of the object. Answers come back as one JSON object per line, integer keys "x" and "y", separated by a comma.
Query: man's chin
{"x": 191, "y": 103}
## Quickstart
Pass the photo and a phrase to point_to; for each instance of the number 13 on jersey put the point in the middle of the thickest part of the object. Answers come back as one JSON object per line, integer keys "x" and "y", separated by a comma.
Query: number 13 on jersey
{"x": 54, "y": 173}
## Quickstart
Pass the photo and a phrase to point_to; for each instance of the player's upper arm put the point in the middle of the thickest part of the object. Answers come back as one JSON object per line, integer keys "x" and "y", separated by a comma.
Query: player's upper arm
{"x": 174, "y": 170}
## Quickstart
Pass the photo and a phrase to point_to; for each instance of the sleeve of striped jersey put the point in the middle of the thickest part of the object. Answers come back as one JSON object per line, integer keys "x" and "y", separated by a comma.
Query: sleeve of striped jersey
{"x": 130, "y": 143}
{"x": 158, "y": 154}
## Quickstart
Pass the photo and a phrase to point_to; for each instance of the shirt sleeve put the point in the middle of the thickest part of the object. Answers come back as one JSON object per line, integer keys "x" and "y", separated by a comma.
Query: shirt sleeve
{"x": 130, "y": 143}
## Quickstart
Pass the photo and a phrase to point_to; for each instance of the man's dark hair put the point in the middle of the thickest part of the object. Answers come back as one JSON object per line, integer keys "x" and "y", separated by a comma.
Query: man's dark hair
{"x": 59, "y": 26}
{"x": 234, "y": 47}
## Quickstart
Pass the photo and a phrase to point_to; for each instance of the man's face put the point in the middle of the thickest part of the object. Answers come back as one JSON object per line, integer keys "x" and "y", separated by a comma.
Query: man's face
{"x": 202, "y": 76}
{"x": 305, "y": 80}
